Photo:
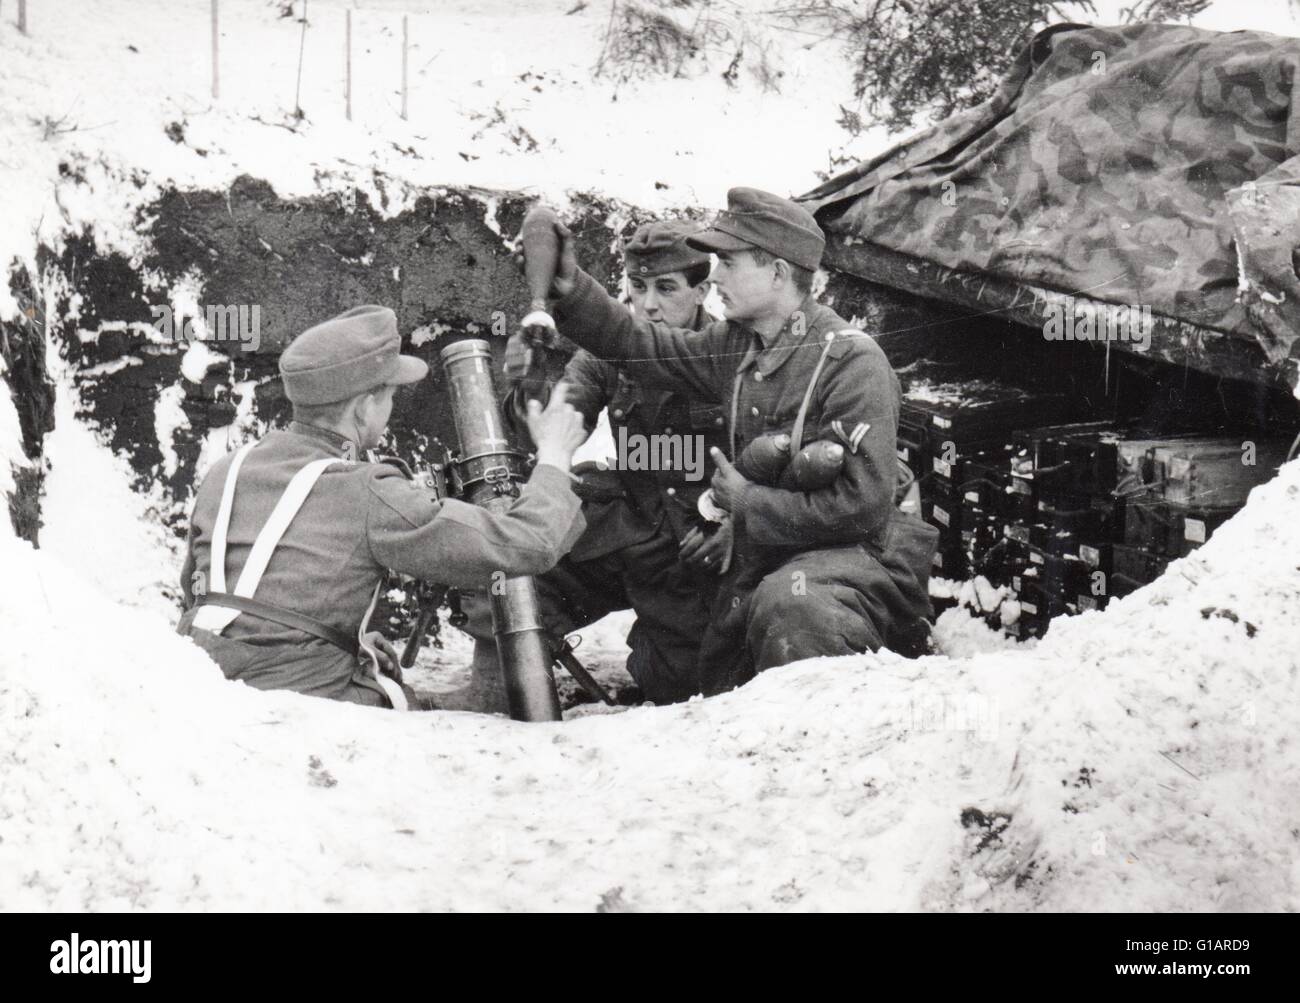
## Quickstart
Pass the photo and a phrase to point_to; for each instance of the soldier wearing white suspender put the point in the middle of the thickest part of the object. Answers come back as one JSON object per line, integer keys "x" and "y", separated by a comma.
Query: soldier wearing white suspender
{"x": 306, "y": 531}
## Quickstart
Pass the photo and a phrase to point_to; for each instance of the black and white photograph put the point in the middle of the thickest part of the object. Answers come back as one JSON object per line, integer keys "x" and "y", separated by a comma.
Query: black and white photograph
{"x": 651, "y": 456}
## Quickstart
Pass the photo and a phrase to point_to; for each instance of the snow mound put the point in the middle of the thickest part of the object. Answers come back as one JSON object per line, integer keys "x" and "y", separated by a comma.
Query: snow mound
{"x": 1140, "y": 758}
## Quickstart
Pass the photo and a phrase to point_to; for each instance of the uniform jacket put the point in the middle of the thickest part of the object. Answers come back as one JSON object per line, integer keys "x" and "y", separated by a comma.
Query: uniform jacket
{"x": 857, "y": 385}
{"x": 638, "y": 407}
{"x": 360, "y": 520}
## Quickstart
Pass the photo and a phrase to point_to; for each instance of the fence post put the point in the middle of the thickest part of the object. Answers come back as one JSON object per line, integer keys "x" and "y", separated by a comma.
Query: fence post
{"x": 22, "y": 16}
{"x": 348, "y": 50}
{"x": 405, "y": 37}
{"x": 302, "y": 48}
{"x": 216, "y": 73}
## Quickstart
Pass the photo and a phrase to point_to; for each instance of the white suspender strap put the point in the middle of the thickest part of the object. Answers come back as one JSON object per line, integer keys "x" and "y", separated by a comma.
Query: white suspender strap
{"x": 218, "y": 618}
{"x": 217, "y": 563}
{"x": 395, "y": 695}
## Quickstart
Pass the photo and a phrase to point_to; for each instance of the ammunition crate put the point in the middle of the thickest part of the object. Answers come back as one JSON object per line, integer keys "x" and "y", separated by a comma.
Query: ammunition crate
{"x": 1168, "y": 530}
{"x": 1211, "y": 474}
{"x": 1132, "y": 567}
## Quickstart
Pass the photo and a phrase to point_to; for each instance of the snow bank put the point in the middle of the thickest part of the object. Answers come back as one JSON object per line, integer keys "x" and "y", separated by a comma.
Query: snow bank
{"x": 501, "y": 96}
{"x": 1140, "y": 758}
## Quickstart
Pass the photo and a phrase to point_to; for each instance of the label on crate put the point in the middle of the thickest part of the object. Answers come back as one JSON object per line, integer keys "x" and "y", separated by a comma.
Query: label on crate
{"x": 941, "y": 516}
{"x": 942, "y": 422}
{"x": 1090, "y": 556}
{"x": 942, "y": 467}
{"x": 972, "y": 496}
{"x": 1018, "y": 533}
{"x": 1194, "y": 530}
{"x": 1035, "y": 557}
{"x": 1028, "y": 607}
{"x": 904, "y": 453}
{"x": 937, "y": 560}
{"x": 1088, "y": 602}
{"x": 1020, "y": 486}
{"x": 1016, "y": 582}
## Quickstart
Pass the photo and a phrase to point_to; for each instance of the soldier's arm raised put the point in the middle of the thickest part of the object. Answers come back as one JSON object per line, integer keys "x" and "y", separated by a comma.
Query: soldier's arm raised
{"x": 591, "y": 384}
{"x": 665, "y": 355}
{"x": 857, "y": 504}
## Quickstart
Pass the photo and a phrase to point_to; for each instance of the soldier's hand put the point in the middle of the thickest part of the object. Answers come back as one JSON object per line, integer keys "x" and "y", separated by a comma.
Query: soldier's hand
{"x": 727, "y": 483}
{"x": 519, "y": 356}
{"x": 709, "y": 551}
{"x": 566, "y": 269}
{"x": 558, "y": 429}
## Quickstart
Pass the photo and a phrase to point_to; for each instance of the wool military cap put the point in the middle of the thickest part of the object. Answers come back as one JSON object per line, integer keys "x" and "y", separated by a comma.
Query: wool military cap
{"x": 347, "y": 355}
{"x": 760, "y": 219}
{"x": 660, "y": 247}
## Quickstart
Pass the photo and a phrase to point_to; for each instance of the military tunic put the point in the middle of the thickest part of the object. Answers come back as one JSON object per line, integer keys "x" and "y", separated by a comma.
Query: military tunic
{"x": 639, "y": 408}
{"x": 360, "y": 520}
{"x": 845, "y": 566}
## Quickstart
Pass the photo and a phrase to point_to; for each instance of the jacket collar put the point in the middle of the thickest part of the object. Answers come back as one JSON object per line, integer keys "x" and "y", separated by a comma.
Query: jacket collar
{"x": 342, "y": 445}
{"x": 796, "y": 333}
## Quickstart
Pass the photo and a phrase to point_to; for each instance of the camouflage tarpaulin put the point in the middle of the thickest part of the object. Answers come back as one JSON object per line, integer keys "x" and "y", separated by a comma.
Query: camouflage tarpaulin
{"x": 1148, "y": 166}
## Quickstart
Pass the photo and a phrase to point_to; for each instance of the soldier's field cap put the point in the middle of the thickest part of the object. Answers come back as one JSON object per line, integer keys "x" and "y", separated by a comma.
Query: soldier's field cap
{"x": 760, "y": 219}
{"x": 347, "y": 355}
{"x": 660, "y": 247}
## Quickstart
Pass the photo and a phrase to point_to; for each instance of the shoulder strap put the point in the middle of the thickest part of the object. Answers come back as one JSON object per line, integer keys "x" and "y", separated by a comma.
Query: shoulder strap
{"x": 796, "y": 434}
{"x": 217, "y": 571}
{"x": 218, "y": 618}
{"x": 395, "y": 695}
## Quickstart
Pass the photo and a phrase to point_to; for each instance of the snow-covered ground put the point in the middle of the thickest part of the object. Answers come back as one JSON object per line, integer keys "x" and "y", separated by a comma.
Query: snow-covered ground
{"x": 1141, "y": 758}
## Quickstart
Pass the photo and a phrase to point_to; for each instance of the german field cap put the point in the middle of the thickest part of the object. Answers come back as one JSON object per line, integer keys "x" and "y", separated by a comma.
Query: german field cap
{"x": 760, "y": 219}
{"x": 660, "y": 247}
{"x": 347, "y": 355}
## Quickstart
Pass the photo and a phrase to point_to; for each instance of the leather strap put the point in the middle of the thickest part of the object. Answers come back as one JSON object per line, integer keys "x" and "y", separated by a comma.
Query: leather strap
{"x": 278, "y": 614}
{"x": 217, "y": 619}
{"x": 796, "y": 433}
{"x": 395, "y": 695}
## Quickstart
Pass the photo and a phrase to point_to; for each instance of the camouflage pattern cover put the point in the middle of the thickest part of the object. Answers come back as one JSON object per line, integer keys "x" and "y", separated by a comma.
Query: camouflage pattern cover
{"x": 1146, "y": 166}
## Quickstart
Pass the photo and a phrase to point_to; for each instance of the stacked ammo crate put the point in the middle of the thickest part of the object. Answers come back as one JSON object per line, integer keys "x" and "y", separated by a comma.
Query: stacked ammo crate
{"x": 1059, "y": 558}
{"x": 1068, "y": 515}
{"x": 956, "y": 437}
{"x": 1114, "y": 507}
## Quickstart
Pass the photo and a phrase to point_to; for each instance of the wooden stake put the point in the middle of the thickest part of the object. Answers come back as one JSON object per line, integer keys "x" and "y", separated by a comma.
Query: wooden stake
{"x": 22, "y": 16}
{"x": 347, "y": 90}
{"x": 302, "y": 46}
{"x": 405, "y": 38}
{"x": 216, "y": 72}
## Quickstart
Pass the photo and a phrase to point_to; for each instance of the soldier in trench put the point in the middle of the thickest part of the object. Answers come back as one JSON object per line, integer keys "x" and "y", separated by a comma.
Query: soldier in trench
{"x": 291, "y": 536}
{"x": 645, "y": 547}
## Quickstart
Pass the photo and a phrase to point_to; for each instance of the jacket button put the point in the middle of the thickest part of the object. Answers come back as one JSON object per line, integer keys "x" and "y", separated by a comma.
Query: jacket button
{"x": 754, "y": 411}
{"x": 758, "y": 377}
{"x": 735, "y": 602}
{"x": 670, "y": 491}
{"x": 718, "y": 421}
{"x": 668, "y": 430}
{"x": 618, "y": 413}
